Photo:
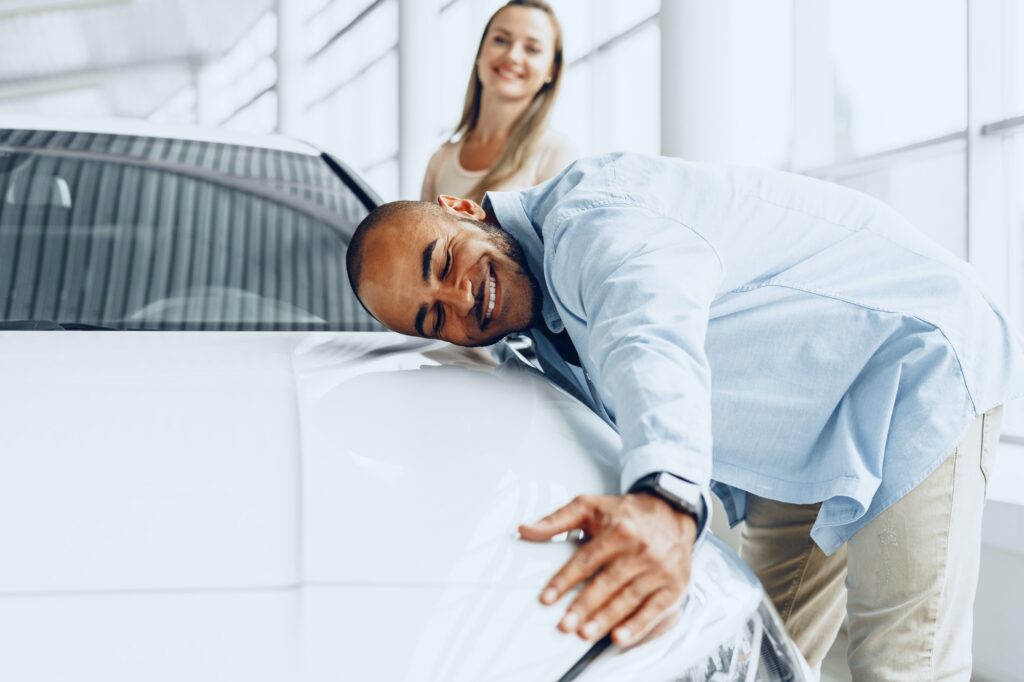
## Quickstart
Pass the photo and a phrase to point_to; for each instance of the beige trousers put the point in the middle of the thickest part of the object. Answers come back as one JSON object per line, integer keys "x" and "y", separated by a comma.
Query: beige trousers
{"x": 905, "y": 581}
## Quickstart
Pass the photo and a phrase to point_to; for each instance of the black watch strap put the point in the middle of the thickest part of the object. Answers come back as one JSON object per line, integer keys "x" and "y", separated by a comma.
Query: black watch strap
{"x": 682, "y": 494}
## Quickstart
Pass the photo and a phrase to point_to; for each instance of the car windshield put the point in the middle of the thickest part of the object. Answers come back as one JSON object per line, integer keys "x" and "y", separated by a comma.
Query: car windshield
{"x": 129, "y": 232}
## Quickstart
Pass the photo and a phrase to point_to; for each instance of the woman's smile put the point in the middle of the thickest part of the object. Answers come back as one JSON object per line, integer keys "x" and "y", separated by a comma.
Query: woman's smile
{"x": 508, "y": 73}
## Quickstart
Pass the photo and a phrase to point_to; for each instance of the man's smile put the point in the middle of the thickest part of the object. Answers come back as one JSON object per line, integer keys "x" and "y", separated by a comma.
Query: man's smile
{"x": 486, "y": 298}
{"x": 491, "y": 300}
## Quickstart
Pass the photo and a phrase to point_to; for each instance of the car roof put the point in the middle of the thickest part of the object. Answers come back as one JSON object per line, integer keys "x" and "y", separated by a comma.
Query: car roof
{"x": 144, "y": 128}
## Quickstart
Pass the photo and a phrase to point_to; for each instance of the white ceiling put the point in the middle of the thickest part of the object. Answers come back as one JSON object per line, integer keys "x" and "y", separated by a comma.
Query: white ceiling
{"x": 111, "y": 57}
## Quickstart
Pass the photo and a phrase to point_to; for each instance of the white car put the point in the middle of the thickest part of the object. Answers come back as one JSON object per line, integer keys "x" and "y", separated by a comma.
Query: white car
{"x": 216, "y": 466}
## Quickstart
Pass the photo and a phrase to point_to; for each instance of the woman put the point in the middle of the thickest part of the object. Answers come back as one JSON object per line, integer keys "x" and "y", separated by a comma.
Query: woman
{"x": 503, "y": 140}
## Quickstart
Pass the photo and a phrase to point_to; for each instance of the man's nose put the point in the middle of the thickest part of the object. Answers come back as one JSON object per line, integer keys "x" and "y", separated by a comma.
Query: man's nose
{"x": 459, "y": 297}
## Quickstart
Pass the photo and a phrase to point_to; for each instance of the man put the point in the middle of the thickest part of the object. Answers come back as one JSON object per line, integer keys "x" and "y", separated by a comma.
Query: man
{"x": 853, "y": 369}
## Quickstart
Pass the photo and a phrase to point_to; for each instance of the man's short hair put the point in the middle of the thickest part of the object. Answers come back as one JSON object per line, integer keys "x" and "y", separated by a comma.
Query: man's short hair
{"x": 385, "y": 213}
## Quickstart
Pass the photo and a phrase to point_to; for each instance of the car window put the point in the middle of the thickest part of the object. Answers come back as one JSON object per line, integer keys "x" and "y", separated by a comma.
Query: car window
{"x": 148, "y": 233}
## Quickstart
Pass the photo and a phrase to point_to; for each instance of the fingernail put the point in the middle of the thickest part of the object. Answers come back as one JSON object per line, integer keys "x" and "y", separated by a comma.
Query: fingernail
{"x": 623, "y": 635}
{"x": 570, "y": 621}
{"x": 590, "y": 630}
{"x": 549, "y": 596}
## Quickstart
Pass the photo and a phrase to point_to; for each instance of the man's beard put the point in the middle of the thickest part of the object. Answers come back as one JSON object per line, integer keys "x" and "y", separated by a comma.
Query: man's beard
{"x": 508, "y": 246}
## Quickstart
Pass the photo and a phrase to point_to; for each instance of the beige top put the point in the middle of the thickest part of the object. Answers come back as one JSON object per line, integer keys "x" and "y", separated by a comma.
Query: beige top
{"x": 445, "y": 175}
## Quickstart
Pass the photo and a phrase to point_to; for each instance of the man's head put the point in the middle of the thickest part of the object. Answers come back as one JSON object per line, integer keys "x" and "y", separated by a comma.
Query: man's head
{"x": 442, "y": 271}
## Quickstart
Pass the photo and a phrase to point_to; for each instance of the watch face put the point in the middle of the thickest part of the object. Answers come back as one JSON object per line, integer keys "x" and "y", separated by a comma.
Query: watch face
{"x": 671, "y": 485}
{"x": 683, "y": 491}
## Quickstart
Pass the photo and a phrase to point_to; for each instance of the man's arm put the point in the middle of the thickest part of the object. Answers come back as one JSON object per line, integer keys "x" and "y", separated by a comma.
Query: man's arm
{"x": 643, "y": 285}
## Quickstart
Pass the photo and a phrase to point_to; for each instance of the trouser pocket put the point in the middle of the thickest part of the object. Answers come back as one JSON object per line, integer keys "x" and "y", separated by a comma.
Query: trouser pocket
{"x": 990, "y": 426}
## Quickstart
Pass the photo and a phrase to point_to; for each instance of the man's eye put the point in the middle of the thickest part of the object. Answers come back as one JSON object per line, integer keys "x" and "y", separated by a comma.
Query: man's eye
{"x": 447, "y": 266}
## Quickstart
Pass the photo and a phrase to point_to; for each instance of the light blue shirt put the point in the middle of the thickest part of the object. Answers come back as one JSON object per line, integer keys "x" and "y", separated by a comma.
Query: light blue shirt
{"x": 760, "y": 331}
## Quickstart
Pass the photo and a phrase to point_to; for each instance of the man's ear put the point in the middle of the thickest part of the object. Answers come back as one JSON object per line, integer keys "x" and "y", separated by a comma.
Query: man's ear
{"x": 461, "y": 207}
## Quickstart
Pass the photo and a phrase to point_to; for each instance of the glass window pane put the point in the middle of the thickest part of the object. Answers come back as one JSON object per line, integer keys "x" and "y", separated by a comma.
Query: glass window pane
{"x": 900, "y": 72}
{"x": 762, "y": 78}
{"x": 627, "y": 114}
{"x": 376, "y": 137}
{"x": 346, "y": 125}
{"x": 461, "y": 26}
{"x": 614, "y": 17}
{"x": 245, "y": 71}
{"x": 572, "y": 114}
{"x": 455, "y": 53}
{"x": 330, "y": 17}
{"x": 586, "y": 24}
{"x": 927, "y": 187}
{"x": 576, "y": 18}
{"x": 1013, "y": 421}
{"x": 179, "y": 108}
{"x": 260, "y": 117}
{"x": 1015, "y": 67}
{"x": 344, "y": 59}
{"x": 383, "y": 178}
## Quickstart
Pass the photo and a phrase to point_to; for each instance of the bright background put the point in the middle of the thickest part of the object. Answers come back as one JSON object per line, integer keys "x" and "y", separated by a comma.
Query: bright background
{"x": 918, "y": 102}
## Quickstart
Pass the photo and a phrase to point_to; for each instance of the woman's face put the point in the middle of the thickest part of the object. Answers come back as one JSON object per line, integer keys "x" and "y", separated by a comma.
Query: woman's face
{"x": 517, "y": 54}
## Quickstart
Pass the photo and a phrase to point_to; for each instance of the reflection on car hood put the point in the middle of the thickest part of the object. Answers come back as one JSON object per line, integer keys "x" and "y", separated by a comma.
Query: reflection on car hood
{"x": 204, "y": 460}
{"x": 282, "y": 506}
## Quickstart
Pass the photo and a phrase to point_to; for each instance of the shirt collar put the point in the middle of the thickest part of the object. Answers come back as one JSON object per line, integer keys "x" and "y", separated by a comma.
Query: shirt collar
{"x": 509, "y": 210}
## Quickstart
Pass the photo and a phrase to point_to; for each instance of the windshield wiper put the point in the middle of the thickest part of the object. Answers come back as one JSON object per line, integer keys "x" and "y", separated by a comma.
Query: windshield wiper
{"x": 50, "y": 325}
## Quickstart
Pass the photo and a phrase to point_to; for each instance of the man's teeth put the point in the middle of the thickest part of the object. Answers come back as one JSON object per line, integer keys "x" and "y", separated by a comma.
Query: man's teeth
{"x": 490, "y": 304}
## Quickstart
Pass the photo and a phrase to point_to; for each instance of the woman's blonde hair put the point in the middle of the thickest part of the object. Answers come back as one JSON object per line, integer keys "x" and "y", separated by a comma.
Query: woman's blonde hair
{"x": 530, "y": 126}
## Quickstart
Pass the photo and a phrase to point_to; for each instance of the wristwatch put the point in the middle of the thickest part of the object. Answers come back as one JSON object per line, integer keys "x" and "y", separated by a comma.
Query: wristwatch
{"x": 682, "y": 495}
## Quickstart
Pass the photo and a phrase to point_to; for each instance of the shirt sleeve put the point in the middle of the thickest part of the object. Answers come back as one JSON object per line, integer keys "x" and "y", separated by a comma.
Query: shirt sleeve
{"x": 642, "y": 284}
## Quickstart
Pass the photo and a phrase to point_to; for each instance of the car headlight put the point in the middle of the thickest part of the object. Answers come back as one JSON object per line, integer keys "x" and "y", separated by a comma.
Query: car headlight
{"x": 760, "y": 651}
{"x": 727, "y": 630}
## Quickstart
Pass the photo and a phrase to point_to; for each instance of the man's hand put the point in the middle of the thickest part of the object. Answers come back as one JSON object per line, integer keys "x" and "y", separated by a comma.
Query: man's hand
{"x": 637, "y": 561}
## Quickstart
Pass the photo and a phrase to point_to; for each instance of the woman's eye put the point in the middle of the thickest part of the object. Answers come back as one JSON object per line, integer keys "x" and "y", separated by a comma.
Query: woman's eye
{"x": 447, "y": 266}
{"x": 533, "y": 50}
{"x": 499, "y": 40}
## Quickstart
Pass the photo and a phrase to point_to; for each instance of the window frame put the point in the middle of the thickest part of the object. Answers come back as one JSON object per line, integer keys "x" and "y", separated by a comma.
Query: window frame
{"x": 988, "y": 126}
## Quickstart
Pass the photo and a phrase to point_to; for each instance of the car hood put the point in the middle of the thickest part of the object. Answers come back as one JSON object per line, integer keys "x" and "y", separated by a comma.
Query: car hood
{"x": 369, "y": 480}
{"x": 286, "y": 506}
{"x": 205, "y": 460}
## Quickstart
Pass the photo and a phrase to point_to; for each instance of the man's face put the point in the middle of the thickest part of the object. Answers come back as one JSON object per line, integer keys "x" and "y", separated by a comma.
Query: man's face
{"x": 448, "y": 277}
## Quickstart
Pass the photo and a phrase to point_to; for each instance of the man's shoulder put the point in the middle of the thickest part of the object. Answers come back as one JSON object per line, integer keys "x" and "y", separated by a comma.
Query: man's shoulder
{"x": 602, "y": 183}
{"x": 585, "y": 181}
